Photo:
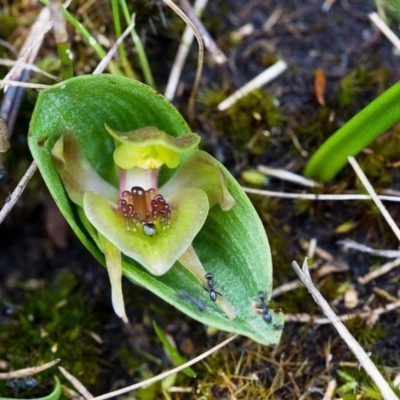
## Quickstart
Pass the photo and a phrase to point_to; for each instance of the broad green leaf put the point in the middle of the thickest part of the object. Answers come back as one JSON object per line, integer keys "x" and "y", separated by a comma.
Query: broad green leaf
{"x": 232, "y": 244}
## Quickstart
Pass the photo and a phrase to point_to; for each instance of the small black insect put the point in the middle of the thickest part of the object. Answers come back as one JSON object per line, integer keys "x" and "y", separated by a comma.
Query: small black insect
{"x": 196, "y": 302}
{"x": 267, "y": 317}
{"x": 210, "y": 282}
{"x": 278, "y": 327}
{"x": 22, "y": 384}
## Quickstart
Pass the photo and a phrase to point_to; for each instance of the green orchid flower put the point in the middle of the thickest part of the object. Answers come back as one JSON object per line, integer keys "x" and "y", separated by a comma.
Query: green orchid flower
{"x": 151, "y": 225}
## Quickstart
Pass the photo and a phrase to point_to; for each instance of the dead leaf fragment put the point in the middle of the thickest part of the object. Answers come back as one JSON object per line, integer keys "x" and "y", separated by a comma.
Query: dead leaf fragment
{"x": 319, "y": 86}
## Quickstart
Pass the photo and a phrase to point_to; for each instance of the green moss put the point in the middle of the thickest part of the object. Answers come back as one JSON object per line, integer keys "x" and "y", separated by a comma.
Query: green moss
{"x": 53, "y": 322}
{"x": 351, "y": 85}
{"x": 254, "y": 114}
{"x": 366, "y": 335}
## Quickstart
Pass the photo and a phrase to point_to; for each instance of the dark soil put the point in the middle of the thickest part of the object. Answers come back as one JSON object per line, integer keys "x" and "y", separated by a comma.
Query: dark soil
{"x": 40, "y": 259}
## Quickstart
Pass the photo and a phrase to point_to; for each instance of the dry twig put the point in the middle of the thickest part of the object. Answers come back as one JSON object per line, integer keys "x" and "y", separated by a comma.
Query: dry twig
{"x": 181, "y": 55}
{"x": 370, "y": 315}
{"x": 372, "y": 193}
{"x": 215, "y": 52}
{"x": 31, "y": 67}
{"x": 311, "y": 196}
{"x": 192, "y": 98}
{"x": 22, "y": 373}
{"x": 358, "y": 351}
{"x": 288, "y": 176}
{"x": 104, "y": 62}
{"x": 31, "y": 46}
{"x": 76, "y": 384}
{"x": 351, "y": 244}
{"x": 266, "y": 76}
{"x": 384, "y": 269}
{"x": 382, "y": 26}
{"x": 12, "y": 199}
{"x": 165, "y": 374}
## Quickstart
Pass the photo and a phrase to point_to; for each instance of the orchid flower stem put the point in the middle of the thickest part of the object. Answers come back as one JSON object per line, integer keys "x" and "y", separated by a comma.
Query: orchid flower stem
{"x": 355, "y": 135}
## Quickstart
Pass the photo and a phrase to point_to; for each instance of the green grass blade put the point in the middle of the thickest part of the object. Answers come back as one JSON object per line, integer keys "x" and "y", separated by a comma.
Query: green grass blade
{"x": 371, "y": 122}
{"x": 173, "y": 353}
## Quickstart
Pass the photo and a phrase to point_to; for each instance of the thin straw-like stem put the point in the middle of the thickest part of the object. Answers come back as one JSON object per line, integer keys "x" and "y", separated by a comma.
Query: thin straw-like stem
{"x": 364, "y": 180}
{"x": 12, "y": 199}
{"x": 382, "y": 26}
{"x": 22, "y": 373}
{"x": 165, "y": 374}
{"x": 322, "y": 197}
{"x": 192, "y": 98}
{"x": 358, "y": 351}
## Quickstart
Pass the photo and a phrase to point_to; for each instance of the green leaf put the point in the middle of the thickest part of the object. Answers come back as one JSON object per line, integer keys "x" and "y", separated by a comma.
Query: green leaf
{"x": 172, "y": 351}
{"x": 371, "y": 122}
{"x": 232, "y": 244}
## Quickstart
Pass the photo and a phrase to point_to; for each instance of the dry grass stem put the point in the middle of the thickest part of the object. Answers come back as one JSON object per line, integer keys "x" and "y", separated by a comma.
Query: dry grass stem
{"x": 114, "y": 48}
{"x": 167, "y": 373}
{"x": 311, "y": 196}
{"x": 76, "y": 384}
{"x": 242, "y": 32}
{"x": 272, "y": 20}
{"x": 177, "y": 389}
{"x": 330, "y": 390}
{"x": 260, "y": 80}
{"x": 12, "y": 199}
{"x": 286, "y": 287}
{"x": 327, "y": 5}
{"x": 351, "y": 244}
{"x": 382, "y": 26}
{"x": 370, "y": 315}
{"x": 319, "y": 251}
{"x": 31, "y": 46}
{"x": 328, "y": 269}
{"x": 358, "y": 351}
{"x": 384, "y": 269}
{"x": 192, "y": 98}
{"x": 288, "y": 176}
{"x": 22, "y": 373}
{"x": 27, "y": 85}
{"x": 374, "y": 196}
{"x": 31, "y": 67}
{"x": 214, "y": 51}
{"x": 58, "y": 21}
{"x": 181, "y": 55}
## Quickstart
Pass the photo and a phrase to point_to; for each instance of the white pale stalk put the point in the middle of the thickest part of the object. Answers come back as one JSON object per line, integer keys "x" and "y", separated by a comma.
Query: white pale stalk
{"x": 144, "y": 178}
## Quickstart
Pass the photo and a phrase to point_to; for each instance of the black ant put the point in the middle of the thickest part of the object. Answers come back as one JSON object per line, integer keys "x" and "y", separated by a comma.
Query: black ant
{"x": 267, "y": 317}
{"x": 195, "y": 302}
{"x": 18, "y": 384}
{"x": 210, "y": 282}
